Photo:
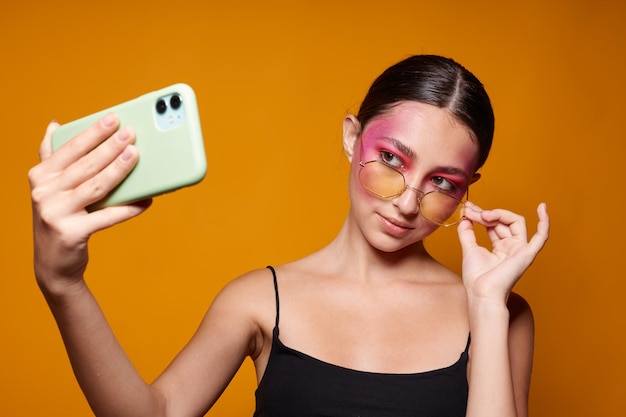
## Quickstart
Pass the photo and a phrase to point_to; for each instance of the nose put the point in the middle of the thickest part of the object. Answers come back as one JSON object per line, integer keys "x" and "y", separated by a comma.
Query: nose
{"x": 409, "y": 201}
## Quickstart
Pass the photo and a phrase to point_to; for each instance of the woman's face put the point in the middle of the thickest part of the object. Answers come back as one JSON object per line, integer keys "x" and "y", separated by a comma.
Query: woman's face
{"x": 430, "y": 148}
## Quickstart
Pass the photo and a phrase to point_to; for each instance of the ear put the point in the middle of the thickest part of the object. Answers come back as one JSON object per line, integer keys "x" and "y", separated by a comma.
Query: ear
{"x": 351, "y": 132}
{"x": 474, "y": 178}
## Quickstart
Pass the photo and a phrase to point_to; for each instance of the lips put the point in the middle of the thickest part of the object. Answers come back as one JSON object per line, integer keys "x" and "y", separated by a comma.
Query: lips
{"x": 395, "y": 227}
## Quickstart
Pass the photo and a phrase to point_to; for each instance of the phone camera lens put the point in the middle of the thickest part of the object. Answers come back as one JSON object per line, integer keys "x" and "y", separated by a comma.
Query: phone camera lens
{"x": 161, "y": 107}
{"x": 175, "y": 101}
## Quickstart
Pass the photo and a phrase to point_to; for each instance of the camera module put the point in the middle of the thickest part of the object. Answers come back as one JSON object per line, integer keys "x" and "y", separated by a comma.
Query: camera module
{"x": 169, "y": 111}
{"x": 175, "y": 101}
{"x": 161, "y": 107}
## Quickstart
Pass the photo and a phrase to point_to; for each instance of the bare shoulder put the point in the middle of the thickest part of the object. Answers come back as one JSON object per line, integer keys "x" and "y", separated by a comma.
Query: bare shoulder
{"x": 250, "y": 292}
{"x": 246, "y": 303}
{"x": 235, "y": 326}
{"x": 249, "y": 284}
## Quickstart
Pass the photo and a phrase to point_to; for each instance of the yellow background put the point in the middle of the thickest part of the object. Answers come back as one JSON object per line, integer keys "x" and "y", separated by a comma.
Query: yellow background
{"x": 274, "y": 80}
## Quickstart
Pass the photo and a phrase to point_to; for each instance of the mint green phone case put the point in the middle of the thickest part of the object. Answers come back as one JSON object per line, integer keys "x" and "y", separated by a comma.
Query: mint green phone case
{"x": 170, "y": 145}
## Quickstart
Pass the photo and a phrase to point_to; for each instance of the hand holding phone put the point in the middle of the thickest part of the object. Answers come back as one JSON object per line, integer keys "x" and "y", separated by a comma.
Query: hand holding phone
{"x": 168, "y": 137}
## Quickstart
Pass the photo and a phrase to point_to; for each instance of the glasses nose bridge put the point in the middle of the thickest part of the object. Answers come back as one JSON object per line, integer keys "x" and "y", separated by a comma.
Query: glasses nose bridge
{"x": 419, "y": 194}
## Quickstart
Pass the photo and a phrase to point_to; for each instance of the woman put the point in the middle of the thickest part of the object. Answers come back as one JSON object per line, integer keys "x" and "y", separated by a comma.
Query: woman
{"x": 370, "y": 325}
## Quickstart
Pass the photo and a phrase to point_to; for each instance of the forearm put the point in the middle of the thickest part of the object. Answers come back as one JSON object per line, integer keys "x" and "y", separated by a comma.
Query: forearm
{"x": 501, "y": 322}
{"x": 491, "y": 391}
{"x": 108, "y": 379}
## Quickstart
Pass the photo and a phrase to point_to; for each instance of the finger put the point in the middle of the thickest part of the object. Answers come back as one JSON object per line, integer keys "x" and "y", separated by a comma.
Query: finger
{"x": 467, "y": 237}
{"x": 98, "y": 159}
{"x": 499, "y": 216}
{"x": 489, "y": 217}
{"x": 85, "y": 142}
{"x": 505, "y": 223}
{"x": 540, "y": 238}
{"x": 45, "y": 149}
{"x": 503, "y": 230}
{"x": 470, "y": 206}
{"x": 473, "y": 212}
{"x": 498, "y": 232}
{"x": 109, "y": 216}
{"x": 499, "y": 224}
{"x": 99, "y": 185}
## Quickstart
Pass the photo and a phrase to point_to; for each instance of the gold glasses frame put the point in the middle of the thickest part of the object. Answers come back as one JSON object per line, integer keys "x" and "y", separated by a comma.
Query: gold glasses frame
{"x": 421, "y": 195}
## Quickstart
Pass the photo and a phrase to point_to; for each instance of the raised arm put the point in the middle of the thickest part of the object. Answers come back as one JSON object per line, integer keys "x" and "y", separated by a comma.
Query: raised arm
{"x": 501, "y": 323}
{"x": 63, "y": 184}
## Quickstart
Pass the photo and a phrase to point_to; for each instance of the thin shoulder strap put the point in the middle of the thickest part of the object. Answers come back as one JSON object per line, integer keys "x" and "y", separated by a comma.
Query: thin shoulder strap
{"x": 469, "y": 340}
{"x": 276, "y": 291}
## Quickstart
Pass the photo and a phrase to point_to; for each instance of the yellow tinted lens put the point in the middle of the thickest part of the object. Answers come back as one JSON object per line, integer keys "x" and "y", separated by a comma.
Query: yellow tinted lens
{"x": 381, "y": 180}
{"x": 442, "y": 209}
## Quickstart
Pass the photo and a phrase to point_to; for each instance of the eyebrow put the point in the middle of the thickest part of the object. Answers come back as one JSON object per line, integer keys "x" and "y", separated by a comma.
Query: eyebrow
{"x": 455, "y": 171}
{"x": 411, "y": 154}
{"x": 400, "y": 146}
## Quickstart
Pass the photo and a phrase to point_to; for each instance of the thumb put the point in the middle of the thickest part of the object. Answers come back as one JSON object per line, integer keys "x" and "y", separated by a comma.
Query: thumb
{"x": 467, "y": 237}
{"x": 45, "y": 149}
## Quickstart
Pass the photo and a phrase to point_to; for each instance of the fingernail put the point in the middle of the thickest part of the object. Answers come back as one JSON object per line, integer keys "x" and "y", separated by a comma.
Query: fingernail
{"x": 123, "y": 135}
{"x": 126, "y": 155}
{"x": 108, "y": 120}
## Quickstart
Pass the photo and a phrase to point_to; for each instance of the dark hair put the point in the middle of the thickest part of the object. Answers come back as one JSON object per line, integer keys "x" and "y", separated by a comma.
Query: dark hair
{"x": 438, "y": 81}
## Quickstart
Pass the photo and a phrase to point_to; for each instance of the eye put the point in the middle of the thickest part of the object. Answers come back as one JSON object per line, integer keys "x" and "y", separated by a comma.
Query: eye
{"x": 391, "y": 159}
{"x": 444, "y": 184}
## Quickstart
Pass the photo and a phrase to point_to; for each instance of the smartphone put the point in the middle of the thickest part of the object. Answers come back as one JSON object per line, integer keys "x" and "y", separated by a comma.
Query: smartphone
{"x": 168, "y": 138}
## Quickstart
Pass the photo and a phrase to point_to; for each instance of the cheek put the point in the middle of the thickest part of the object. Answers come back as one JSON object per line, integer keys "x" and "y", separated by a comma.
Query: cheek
{"x": 354, "y": 185}
{"x": 356, "y": 191}
{"x": 368, "y": 151}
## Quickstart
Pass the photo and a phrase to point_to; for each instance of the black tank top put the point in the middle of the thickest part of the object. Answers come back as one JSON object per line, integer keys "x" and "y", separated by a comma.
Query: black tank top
{"x": 297, "y": 385}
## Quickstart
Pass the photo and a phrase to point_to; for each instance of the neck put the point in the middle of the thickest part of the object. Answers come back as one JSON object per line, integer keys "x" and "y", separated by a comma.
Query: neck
{"x": 351, "y": 251}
